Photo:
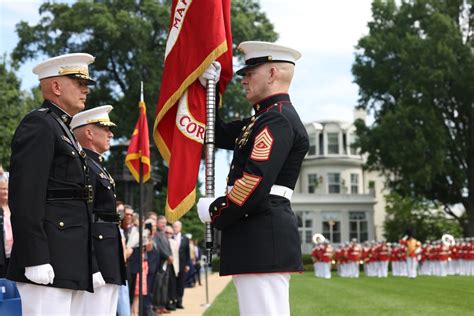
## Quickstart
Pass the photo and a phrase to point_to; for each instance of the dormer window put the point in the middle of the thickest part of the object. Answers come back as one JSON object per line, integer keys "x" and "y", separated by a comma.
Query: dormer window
{"x": 321, "y": 144}
{"x": 312, "y": 145}
{"x": 333, "y": 143}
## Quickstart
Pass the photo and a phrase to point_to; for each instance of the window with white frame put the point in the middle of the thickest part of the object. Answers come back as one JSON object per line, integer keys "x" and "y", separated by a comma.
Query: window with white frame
{"x": 358, "y": 226}
{"x": 321, "y": 144}
{"x": 354, "y": 183}
{"x": 313, "y": 182}
{"x": 331, "y": 226}
{"x": 334, "y": 183}
{"x": 333, "y": 143}
{"x": 312, "y": 145}
{"x": 305, "y": 226}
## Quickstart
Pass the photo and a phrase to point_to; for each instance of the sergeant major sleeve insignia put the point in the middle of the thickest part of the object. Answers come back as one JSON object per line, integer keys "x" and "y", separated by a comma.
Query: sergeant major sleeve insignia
{"x": 262, "y": 146}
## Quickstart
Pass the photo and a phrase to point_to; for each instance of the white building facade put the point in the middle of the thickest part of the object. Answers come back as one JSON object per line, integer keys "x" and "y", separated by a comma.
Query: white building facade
{"x": 334, "y": 195}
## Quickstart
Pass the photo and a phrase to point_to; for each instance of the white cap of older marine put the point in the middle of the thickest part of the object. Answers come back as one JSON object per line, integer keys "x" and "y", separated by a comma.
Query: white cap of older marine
{"x": 98, "y": 115}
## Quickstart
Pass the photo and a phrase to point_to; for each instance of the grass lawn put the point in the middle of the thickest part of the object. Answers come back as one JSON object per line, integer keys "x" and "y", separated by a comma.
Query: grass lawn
{"x": 447, "y": 296}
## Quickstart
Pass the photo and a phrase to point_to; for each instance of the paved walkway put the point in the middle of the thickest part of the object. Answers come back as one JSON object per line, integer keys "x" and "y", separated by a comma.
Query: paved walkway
{"x": 194, "y": 298}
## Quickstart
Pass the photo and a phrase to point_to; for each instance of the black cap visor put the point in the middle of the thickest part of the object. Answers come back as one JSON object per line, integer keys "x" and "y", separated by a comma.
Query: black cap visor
{"x": 254, "y": 62}
{"x": 90, "y": 81}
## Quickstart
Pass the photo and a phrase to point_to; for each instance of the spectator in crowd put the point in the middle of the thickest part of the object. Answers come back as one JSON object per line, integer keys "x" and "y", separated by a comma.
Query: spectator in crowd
{"x": 197, "y": 264}
{"x": 190, "y": 275}
{"x": 152, "y": 257}
{"x": 173, "y": 269}
{"x": 134, "y": 263}
{"x": 160, "y": 289}
{"x": 133, "y": 260}
{"x": 6, "y": 235}
{"x": 184, "y": 261}
{"x": 123, "y": 306}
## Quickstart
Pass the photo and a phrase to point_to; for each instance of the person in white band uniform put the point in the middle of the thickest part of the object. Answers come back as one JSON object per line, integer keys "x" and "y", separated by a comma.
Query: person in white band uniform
{"x": 260, "y": 241}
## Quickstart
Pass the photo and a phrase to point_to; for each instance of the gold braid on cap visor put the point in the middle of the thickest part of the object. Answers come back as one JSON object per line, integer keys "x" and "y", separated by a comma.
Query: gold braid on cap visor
{"x": 74, "y": 70}
{"x": 103, "y": 122}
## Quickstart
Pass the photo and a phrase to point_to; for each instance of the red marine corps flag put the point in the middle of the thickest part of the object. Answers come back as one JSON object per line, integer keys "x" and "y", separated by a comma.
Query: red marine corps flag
{"x": 199, "y": 34}
{"x": 139, "y": 148}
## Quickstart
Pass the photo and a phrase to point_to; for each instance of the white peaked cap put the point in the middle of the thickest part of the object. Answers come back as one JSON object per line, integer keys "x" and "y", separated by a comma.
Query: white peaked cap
{"x": 74, "y": 65}
{"x": 257, "y": 53}
{"x": 98, "y": 115}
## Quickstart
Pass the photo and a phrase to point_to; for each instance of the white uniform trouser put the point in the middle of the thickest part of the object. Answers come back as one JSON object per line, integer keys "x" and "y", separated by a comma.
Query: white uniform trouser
{"x": 327, "y": 270}
{"x": 103, "y": 301}
{"x": 39, "y": 300}
{"x": 263, "y": 294}
{"x": 412, "y": 264}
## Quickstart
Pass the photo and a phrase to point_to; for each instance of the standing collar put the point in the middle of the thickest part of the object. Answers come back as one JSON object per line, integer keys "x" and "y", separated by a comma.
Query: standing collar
{"x": 93, "y": 155}
{"x": 270, "y": 101}
{"x": 66, "y": 118}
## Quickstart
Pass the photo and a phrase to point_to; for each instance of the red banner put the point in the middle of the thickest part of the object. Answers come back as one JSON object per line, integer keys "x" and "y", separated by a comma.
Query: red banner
{"x": 199, "y": 34}
{"x": 139, "y": 148}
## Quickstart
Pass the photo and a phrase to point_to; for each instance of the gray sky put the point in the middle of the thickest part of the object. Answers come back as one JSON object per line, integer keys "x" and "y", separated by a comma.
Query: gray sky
{"x": 324, "y": 31}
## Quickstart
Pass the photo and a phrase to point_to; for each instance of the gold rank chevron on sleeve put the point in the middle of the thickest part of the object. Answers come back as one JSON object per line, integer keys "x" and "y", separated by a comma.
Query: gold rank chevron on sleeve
{"x": 262, "y": 146}
{"x": 243, "y": 188}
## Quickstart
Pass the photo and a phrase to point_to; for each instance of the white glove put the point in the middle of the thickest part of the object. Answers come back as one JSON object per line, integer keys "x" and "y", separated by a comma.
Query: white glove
{"x": 212, "y": 72}
{"x": 203, "y": 209}
{"x": 97, "y": 280}
{"x": 41, "y": 274}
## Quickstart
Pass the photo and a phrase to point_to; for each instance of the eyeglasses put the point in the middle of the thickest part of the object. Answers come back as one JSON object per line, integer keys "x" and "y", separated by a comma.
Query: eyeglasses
{"x": 128, "y": 214}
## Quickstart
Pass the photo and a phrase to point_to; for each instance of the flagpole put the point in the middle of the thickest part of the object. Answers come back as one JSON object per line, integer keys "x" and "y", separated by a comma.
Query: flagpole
{"x": 210, "y": 177}
{"x": 140, "y": 225}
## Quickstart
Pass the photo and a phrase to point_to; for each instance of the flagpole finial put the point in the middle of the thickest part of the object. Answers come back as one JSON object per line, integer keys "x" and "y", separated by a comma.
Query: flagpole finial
{"x": 141, "y": 91}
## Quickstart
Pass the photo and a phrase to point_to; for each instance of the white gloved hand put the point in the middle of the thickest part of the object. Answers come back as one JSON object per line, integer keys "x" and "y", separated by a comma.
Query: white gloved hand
{"x": 97, "y": 280}
{"x": 212, "y": 72}
{"x": 41, "y": 274}
{"x": 203, "y": 209}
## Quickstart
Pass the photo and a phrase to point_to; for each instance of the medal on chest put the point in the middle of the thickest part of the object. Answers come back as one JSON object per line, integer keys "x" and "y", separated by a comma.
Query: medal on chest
{"x": 241, "y": 141}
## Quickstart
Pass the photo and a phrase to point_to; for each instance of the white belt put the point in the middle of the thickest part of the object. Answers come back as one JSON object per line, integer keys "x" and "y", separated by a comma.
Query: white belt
{"x": 276, "y": 190}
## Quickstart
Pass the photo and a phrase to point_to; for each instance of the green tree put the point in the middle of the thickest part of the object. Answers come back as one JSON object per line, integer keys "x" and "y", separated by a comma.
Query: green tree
{"x": 423, "y": 218}
{"x": 415, "y": 71}
{"x": 14, "y": 104}
{"x": 128, "y": 39}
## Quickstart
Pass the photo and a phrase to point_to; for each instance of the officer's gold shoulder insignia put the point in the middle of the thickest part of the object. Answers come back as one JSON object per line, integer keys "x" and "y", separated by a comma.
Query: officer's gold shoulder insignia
{"x": 262, "y": 146}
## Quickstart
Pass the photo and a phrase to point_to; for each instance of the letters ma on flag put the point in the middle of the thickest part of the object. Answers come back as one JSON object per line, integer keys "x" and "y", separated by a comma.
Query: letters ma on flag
{"x": 199, "y": 34}
{"x": 139, "y": 148}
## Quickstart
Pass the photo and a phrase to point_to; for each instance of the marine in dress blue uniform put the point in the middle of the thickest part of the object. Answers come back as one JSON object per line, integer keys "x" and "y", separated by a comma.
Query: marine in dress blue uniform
{"x": 260, "y": 240}
{"x": 93, "y": 131}
{"x": 50, "y": 194}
